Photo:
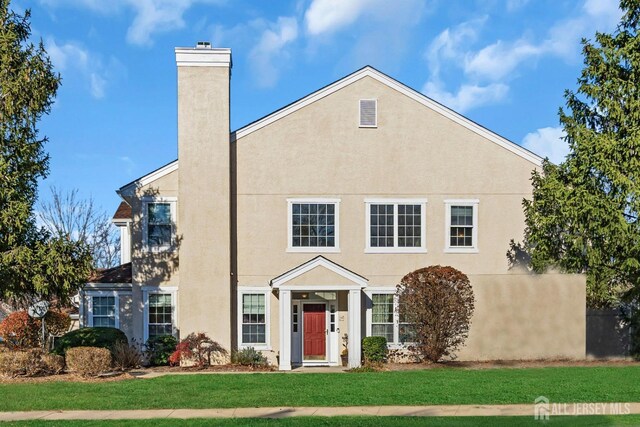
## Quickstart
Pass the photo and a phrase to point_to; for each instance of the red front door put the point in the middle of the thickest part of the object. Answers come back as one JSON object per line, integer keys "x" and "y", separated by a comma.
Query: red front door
{"x": 315, "y": 343}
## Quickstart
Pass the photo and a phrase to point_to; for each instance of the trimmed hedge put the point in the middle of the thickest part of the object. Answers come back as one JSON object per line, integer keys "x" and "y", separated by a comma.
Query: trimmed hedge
{"x": 374, "y": 349}
{"x": 89, "y": 361}
{"x": 30, "y": 363}
{"x": 89, "y": 337}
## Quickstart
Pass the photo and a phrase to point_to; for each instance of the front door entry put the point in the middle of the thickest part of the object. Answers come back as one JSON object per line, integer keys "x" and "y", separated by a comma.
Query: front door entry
{"x": 315, "y": 329}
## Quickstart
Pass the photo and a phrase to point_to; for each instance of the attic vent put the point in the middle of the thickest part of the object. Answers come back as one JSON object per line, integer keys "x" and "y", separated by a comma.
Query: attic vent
{"x": 368, "y": 113}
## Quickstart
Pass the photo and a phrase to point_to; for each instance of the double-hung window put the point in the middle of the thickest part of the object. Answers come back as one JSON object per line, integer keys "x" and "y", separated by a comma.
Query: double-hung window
{"x": 382, "y": 319}
{"x": 103, "y": 309}
{"x": 396, "y": 225}
{"x": 386, "y": 319}
{"x": 160, "y": 320}
{"x": 313, "y": 225}
{"x": 253, "y": 318}
{"x": 159, "y": 223}
{"x": 461, "y": 232}
{"x": 159, "y": 311}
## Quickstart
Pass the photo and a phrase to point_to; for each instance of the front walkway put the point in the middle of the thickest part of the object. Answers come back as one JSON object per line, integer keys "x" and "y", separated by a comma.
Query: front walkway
{"x": 284, "y": 412}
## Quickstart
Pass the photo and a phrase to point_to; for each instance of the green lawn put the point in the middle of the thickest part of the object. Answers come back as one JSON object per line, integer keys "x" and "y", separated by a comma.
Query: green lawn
{"x": 624, "y": 420}
{"x": 426, "y": 387}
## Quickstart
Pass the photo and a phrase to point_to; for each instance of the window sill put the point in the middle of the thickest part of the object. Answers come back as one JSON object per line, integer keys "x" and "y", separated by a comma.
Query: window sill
{"x": 313, "y": 250}
{"x": 395, "y": 250}
{"x": 261, "y": 347}
{"x": 158, "y": 249}
{"x": 461, "y": 250}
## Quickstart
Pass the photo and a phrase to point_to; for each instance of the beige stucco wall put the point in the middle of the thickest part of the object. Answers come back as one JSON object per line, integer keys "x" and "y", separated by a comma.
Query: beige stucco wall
{"x": 522, "y": 316}
{"x": 319, "y": 151}
{"x": 204, "y": 202}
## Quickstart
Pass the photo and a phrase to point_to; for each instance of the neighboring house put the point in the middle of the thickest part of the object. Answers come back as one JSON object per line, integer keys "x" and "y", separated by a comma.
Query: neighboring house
{"x": 289, "y": 234}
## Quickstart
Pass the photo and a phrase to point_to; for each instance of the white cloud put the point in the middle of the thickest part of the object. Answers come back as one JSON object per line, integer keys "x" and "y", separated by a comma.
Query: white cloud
{"x": 547, "y": 142}
{"x": 72, "y": 59}
{"x": 448, "y": 46}
{"x": 327, "y": 16}
{"x": 271, "y": 49}
{"x": 498, "y": 60}
{"x": 151, "y": 17}
{"x": 486, "y": 71}
{"x": 468, "y": 96}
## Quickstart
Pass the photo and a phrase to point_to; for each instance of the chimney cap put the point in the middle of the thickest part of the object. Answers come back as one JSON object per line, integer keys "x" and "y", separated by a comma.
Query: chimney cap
{"x": 203, "y": 45}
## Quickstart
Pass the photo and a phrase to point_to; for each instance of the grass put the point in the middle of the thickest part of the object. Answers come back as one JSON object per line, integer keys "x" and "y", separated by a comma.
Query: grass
{"x": 583, "y": 421}
{"x": 426, "y": 387}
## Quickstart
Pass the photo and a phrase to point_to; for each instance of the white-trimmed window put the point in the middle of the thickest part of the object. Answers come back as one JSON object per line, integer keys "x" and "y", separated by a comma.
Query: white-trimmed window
{"x": 384, "y": 318}
{"x": 253, "y": 318}
{"x": 368, "y": 113}
{"x": 313, "y": 225}
{"x": 396, "y": 225}
{"x": 159, "y": 219}
{"x": 103, "y": 309}
{"x": 461, "y": 234}
{"x": 159, "y": 311}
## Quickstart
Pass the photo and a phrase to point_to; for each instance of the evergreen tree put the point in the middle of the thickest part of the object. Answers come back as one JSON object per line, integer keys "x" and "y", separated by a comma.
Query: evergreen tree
{"x": 584, "y": 215}
{"x": 33, "y": 264}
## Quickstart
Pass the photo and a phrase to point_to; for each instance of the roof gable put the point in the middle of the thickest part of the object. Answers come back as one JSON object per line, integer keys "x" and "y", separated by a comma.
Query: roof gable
{"x": 354, "y": 280}
{"x": 371, "y": 72}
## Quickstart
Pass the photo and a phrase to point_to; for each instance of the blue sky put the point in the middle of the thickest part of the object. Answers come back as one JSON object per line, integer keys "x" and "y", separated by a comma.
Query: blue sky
{"x": 503, "y": 63}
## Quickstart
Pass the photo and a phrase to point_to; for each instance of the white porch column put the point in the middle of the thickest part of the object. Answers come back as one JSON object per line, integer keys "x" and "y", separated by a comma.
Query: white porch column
{"x": 285, "y": 330}
{"x": 355, "y": 328}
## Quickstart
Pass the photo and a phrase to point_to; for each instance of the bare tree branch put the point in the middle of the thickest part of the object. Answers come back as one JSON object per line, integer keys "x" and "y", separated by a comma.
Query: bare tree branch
{"x": 68, "y": 215}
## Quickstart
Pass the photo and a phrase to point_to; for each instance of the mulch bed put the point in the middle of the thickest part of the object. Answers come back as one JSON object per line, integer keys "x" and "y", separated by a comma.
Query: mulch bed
{"x": 118, "y": 376}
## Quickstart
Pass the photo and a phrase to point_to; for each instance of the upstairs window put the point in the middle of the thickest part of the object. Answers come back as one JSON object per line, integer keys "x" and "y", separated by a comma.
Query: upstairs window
{"x": 461, "y": 226}
{"x": 396, "y": 225}
{"x": 159, "y": 224}
{"x": 313, "y": 225}
{"x": 368, "y": 113}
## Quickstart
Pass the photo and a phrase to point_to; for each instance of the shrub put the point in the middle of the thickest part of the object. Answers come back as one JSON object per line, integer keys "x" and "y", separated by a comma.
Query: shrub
{"x": 89, "y": 361}
{"x": 158, "y": 349}
{"x": 374, "y": 349}
{"x": 198, "y": 349}
{"x": 20, "y": 362}
{"x": 53, "y": 364}
{"x": 20, "y": 331}
{"x": 438, "y": 302}
{"x": 89, "y": 337}
{"x": 30, "y": 363}
{"x": 249, "y": 357}
{"x": 57, "y": 323}
{"x": 126, "y": 356}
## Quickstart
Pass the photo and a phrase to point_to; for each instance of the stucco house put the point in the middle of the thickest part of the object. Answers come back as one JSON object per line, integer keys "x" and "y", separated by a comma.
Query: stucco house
{"x": 289, "y": 234}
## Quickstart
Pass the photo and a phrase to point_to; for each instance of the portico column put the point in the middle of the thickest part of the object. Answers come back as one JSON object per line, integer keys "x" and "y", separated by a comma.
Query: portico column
{"x": 285, "y": 330}
{"x": 355, "y": 328}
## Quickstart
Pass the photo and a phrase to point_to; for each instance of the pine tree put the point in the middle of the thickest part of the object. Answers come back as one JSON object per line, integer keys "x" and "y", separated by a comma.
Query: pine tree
{"x": 33, "y": 264}
{"x": 584, "y": 215}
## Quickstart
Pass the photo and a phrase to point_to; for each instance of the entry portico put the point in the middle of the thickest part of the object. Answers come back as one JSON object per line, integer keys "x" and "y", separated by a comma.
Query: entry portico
{"x": 317, "y": 299}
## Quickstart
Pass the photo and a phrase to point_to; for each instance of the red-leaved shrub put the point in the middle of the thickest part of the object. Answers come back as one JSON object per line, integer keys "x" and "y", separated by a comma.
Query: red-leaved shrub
{"x": 197, "y": 348}
{"x": 20, "y": 331}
